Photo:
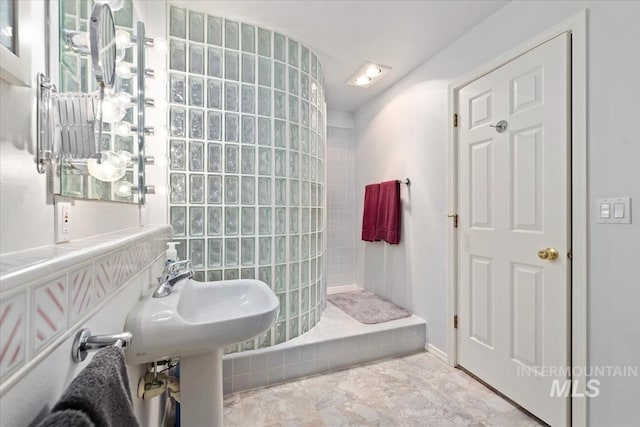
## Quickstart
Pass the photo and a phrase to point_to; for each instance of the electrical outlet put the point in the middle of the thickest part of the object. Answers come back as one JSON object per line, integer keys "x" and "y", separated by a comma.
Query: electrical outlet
{"x": 63, "y": 221}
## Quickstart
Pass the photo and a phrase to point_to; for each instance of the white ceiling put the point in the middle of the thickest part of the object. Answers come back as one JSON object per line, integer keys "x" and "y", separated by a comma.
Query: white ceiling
{"x": 345, "y": 34}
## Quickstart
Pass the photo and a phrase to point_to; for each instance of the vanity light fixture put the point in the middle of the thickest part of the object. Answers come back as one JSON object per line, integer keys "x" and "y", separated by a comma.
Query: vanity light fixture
{"x": 368, "y": 74}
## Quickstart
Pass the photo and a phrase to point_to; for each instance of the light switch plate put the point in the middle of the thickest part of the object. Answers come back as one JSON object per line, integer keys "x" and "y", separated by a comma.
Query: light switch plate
{"x": 618, "y": 212}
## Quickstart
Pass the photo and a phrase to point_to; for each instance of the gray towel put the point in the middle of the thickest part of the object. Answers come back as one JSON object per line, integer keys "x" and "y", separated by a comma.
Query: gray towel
{"x": 66, "y": 418}
{"x": 101, "y": 391}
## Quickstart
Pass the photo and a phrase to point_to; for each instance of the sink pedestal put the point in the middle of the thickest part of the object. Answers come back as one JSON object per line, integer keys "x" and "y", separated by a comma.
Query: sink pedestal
{"x": 201, "y": 390}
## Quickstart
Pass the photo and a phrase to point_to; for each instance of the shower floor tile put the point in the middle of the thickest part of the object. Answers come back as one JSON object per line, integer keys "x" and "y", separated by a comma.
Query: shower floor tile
{"x": 416, "y": 390}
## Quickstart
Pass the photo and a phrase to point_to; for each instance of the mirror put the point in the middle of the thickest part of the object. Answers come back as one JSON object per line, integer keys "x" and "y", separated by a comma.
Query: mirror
{"x": 102, "y": 38}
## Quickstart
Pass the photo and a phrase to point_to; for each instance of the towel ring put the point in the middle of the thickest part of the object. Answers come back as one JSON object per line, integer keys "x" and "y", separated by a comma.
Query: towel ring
{"x": 84, "y": 342}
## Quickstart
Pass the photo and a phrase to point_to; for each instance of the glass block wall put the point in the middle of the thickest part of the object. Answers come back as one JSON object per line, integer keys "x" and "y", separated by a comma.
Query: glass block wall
{"x": 246, "y": 162}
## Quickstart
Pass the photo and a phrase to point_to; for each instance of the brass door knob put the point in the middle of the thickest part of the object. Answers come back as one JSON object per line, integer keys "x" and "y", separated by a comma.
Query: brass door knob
{"x": 548, "y": 254}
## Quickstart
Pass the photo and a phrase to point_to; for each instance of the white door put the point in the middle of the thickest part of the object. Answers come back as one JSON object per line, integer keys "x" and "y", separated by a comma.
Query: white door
{"x": 514, "y": 306}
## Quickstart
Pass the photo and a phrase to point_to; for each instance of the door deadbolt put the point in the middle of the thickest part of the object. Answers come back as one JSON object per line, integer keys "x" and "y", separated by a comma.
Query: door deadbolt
{"x": 501, "y": 126}
{"x": 548, "y": 254}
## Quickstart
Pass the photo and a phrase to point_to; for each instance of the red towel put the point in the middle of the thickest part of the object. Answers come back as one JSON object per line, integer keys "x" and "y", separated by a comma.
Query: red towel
{"x": 388, "y": 223}
{"x": 370, "y": 212}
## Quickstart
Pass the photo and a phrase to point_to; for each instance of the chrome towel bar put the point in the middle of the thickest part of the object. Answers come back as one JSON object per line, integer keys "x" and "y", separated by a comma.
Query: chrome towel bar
{"x": 84, "y": 342}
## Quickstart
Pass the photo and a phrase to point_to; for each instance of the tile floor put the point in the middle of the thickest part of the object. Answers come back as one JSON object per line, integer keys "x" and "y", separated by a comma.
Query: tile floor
{"x": 416, "y": 390}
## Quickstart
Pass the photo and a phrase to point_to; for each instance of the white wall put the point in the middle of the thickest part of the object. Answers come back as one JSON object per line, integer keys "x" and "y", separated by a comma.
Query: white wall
{"x": 26, "y": 211}
{"x": 404, "y": 132}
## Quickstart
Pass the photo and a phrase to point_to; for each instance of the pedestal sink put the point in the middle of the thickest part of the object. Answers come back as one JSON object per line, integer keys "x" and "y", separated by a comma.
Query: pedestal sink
{"x": 195, "y": 322}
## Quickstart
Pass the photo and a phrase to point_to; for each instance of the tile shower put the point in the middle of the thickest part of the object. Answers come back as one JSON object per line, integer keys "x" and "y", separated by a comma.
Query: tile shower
{"x": 246, "y": 162}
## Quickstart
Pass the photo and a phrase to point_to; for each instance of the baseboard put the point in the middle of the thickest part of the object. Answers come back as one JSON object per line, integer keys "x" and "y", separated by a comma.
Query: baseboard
{"x": 437, "y": 353}
{"x": 342, "y": 288}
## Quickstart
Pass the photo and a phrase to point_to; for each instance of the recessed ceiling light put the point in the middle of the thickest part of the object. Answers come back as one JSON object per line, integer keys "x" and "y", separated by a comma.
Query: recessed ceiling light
{"x": 368, "y": 74}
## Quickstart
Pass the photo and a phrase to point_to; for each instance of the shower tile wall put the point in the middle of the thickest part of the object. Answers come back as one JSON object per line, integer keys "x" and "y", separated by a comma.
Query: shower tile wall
{"x": 341, "y": 230}
{"x": 246, "y": 159}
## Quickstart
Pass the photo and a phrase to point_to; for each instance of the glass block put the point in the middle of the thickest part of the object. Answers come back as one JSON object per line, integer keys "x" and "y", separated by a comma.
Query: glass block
{"x": 214, "y": 221}
{"x": 214, "y": 94}
{"x": 215, "y": 275}
{"x": 248, "y": 221}
{"x": 214, "y": 189}
{"x": 182, "y": 249}
{"x": 178, "y": 188}
{"x": 250, "y": 273}
{"x": 312, "y": 269}
{"x": 264, "y": 221}
{"x": 304, "y": 219}
{"x": 248, "y": 38}
{"x": 248, "y": 191}
{"x": 177, "y": 119}
{"x": 304, "y": 323}
{"x": 294, "y": 275}
{"x": 196, "y": 59}
{"x": 231, "y": 252}
{"x": 264, "y": 42}
{"x": 264, "y": 274}
{"x": 231, "y": 189}
{"x": 248, "y": 99}
{"x": 280, "y": 332}
{"x": 293, "y": 109}
{"x": 264, "y": 72}
{"x": 177, "y": 86}
{"x": 248, "y": 251}
{"x": 280, "y": 220}
{"x": 231, "y": 159}
{"x": 304, "y": 59}
{"x": 196, "y": 124}
{"x": 294, "y": 305}
{"x": 214, "y": 157}
{"x": 264, "y": 161}
{"x": 293, "y": 81}
{"x": 304, "y": 299}
{"x": 248, "y": 160}
{"x": 279, "y": 105}
{"x": 314, "y": 118}
{"x": 196, "y": 27}
{"x": 196, "y": 188}
{"x": 196, "y": 156}
{"x": 214, "y": 258}
{"x": 248, "y": 132}
{"x": 294, "y": 136}
{"x": 304, "y": 113}
{"x": 279, "y": 47}
{"x": 178, "y": 220}
{"x": 294, "y": 248}
{"x": 264, "y": 131}
{"x": 231, "y": 97}
{"x": 196, "y": 253}
{"x": 215, "y": 126}
{"x": 294, "y": 192}
{"x": 178, "y": 22}
{"x": 264, "y": 257}
{"x": 177, "y": 155}
{"x": 279, "y": 76}
{"x": 280, "y": 133}
{"x": 304, "y": 170}
{"x": 231, "y": 221}
{"x": 280, "y": 158}
{"x": 313, "y": 242}
{"x": 314, "y": 66}
{"x": 294, "y": 165}
{"x": 280, "y": 192}
{"x": 264, "y": 101}
{"x": 304, "y": 271}
{"x": 293, "y": 52}
{"x": 304, "y": 250}
{"x": 248, "y": 68}
{"x": 280, "y": 249}
{"x": 312, "y": 176}
{"x": 214, "y": 30}
{"x": 313, "y": 141}
{"x": 231, "y": 35}
{"x": 314, "y": 93}
{"x": 196, "y": 221}
{"x": 196, "y": 92}
{"x": 313, "y": 220}
{"x": 304, "y": 86}
{"x": 231, "y": 65}
{"x": 231, "y": 127}
{"x": 280, "y": 278}
{"x": 214, "y": 62}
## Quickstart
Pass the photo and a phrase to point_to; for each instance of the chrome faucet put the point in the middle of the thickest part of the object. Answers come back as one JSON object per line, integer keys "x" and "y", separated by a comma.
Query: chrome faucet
{"x": 172, "y": 274}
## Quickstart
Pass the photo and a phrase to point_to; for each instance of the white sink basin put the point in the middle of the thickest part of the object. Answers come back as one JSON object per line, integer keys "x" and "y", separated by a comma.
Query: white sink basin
{"x": 199, "y": 317}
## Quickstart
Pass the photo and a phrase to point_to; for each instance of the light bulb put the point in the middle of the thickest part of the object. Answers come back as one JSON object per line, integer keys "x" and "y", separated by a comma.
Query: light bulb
{"x": 123, "y": 70}
{"x": 112, "y": 109}
{"x": 160, "y": 45}
{"x": 123, "y": 39}
{"x": 113, "y": 4}
{"x": 125, "y": 99}
{"x": 123, "y": 129}
{"x": 123, "y": 188}
{"x": 363, "y": 80}
{"x": 372, "y": 71}
{"x": 110, "y": 168}
{"x": 125, "y": 157}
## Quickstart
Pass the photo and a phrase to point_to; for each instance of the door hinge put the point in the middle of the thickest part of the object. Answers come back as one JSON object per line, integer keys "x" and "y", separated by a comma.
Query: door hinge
{"x": 455, "y": 120}
{"x": 455, "y": 219}
{"x": 455, "y": 321}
